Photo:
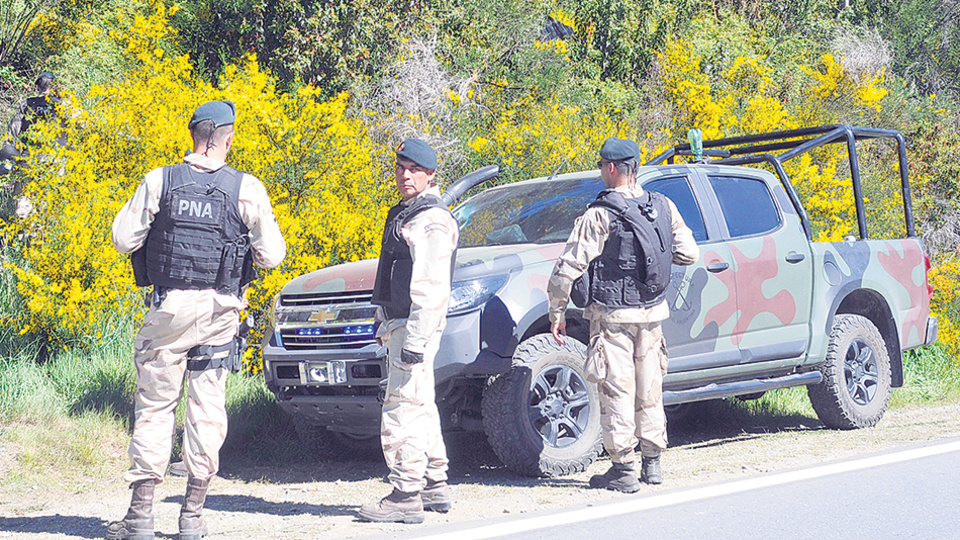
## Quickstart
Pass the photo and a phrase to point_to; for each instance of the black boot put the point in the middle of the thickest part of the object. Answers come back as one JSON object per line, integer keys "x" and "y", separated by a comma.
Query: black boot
{"x": 396, "y": 507}
{"x": 621, "y": 477}
{"x": 436, "y": 497}
{"x": 192, "y": 526}
{"x": 138, "y": 523}
{"x": 650, "y": 470}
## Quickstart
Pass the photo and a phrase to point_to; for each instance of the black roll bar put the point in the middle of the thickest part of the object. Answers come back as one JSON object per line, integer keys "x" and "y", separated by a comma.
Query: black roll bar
{"x": 750, "y": 149}
{"x": 467, "y": 181}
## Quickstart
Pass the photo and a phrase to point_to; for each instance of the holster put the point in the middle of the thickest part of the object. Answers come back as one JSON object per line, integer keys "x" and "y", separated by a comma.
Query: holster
{"x": 203, "y": 357}
{"x": 228, "y": 356}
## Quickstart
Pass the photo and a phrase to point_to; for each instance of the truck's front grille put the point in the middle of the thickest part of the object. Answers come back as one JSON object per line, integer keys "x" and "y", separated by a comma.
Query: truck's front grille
{"x": 322, "y": 299}
{"x": 319, "y": 321}
{"x": 320, "y": 337}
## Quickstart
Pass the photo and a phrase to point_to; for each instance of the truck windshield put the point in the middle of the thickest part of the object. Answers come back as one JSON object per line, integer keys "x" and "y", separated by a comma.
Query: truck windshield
{"x": 528, "y": 212}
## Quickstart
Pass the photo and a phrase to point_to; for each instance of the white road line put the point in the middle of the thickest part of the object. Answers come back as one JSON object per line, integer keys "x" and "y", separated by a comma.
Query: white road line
{"x": 647, "y": 503}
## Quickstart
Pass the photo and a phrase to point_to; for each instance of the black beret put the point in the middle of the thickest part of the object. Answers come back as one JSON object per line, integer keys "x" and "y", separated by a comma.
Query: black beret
{"x": 615, "y": 149}
{"x": 221, "y": 112}
{"x": 45, "y": 75}
{"x": 418, "y": 152}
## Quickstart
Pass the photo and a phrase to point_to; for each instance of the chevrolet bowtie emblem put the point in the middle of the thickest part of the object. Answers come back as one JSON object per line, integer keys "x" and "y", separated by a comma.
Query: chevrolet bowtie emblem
{"x": 324, "y": 316}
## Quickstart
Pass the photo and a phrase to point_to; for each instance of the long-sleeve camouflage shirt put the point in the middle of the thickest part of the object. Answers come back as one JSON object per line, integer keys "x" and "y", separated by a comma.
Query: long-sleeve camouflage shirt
{"x": 432, "y": 236}
{"x": 586, "y": 242}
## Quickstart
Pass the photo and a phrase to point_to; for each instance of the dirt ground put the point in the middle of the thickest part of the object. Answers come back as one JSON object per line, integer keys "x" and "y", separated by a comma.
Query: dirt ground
{"x": 320, "y": 500}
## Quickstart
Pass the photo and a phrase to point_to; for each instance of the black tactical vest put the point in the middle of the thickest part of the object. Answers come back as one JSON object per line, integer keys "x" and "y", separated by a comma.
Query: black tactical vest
{"x": 39, "y": 108}
{"x": 633, "y": 270}
{"x": 392, "y": 286}
{"x": 198, "y": 239}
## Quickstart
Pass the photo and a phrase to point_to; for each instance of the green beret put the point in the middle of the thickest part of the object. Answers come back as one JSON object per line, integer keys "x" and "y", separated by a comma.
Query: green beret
{"x": 220, "y": 112}
{"x": 418, "y": 152}
{"x": 615, "y": 149}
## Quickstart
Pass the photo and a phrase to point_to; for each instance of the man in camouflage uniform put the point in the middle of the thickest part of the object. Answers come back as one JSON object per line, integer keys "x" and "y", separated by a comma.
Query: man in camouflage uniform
{"x": 45, "y": 106}
{"x": 41, "y": 107}
{"x": 627, "y": 356}
{"x": 202, "y": 225}
{"x": 412, "y": 291}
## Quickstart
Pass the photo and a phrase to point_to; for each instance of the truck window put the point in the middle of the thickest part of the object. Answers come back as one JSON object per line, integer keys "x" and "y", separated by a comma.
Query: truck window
{"x": 537, "y": 213}
{"x": 747, "y": 205}
{"x": 678, "y": 190}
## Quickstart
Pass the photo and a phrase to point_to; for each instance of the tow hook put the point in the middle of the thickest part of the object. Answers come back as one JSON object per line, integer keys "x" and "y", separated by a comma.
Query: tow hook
{"x": 382, "y": 396}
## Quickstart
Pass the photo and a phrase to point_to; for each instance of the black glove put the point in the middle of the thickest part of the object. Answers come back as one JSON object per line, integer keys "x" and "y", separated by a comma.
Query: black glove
{"x": 410, "y": 357}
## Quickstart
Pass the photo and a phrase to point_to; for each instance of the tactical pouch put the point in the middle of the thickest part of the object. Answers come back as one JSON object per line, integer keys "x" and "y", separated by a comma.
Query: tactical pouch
{"x": 249, "y": 271}
{"x": 232, "y": 266}
{"x": 138, "y": 259}
{"x": 580, "y": 292}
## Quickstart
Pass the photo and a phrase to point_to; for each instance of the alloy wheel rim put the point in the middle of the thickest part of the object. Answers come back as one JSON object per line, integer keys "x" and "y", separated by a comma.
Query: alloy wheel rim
{"x": 559, "y": 406}
{"x": 861, "y": 372}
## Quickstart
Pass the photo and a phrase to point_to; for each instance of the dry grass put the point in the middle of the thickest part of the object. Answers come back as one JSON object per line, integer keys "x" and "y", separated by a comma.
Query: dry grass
{"x": 863, "y": 54}
{"x": 422, "y": 100}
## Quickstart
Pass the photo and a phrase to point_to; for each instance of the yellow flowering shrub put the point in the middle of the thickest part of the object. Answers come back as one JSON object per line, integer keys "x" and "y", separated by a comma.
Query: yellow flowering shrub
{"x": 745, "y": 98}
{"x": 944, "y": 277}
{"x": 829, "y": 202}
{"x": 529, "y": 137}
{"x": 691, "y": 93}
{"x": 753, "y": 89}
{"x": 832, "y": 83}
{"x": 321, "y": 169}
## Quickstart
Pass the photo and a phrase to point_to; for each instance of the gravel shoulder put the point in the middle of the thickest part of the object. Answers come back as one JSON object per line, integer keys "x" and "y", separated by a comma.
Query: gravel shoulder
{"x": 320, "y": 500}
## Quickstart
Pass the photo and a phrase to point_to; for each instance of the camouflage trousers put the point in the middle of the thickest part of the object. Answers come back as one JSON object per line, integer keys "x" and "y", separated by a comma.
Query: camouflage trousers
{"x": 629, "y": 360}
{"x": 183, "y": 320}
{"x": 410, "y": 424}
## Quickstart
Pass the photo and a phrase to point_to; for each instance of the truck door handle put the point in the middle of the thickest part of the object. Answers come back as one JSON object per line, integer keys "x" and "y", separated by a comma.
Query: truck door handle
{"x": 794, "y": 258}
{"x": 717, "y": 267}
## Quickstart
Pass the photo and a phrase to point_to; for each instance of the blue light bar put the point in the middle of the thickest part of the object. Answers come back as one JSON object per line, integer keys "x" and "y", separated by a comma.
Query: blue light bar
{"x": 354, "y": 330}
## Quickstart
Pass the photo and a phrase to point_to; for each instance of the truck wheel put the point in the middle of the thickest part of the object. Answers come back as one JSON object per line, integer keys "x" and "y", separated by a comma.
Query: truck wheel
{"x": 855, "y": 389}
{"x": 542, "y": 418}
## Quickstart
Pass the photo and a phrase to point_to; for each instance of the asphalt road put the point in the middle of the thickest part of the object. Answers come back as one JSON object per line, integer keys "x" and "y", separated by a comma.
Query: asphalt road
{"x": 911, "y": 492}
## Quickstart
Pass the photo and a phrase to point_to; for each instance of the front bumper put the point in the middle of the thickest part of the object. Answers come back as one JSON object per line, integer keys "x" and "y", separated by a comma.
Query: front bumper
{"x": 352, "y": 406}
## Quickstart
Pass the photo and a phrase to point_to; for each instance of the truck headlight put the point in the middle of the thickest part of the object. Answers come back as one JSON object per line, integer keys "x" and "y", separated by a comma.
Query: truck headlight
{"x": 470, "y": 294}
{"x": 273, "y": 310}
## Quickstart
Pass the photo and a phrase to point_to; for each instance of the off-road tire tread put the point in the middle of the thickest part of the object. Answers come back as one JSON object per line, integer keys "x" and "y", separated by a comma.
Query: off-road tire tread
{"x": 830, "y": 398}
{"x": 502, "y": 421}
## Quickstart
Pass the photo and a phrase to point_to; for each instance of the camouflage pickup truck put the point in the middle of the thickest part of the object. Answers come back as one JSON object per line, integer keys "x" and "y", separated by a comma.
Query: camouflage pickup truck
{"x": 764, "y": 308}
